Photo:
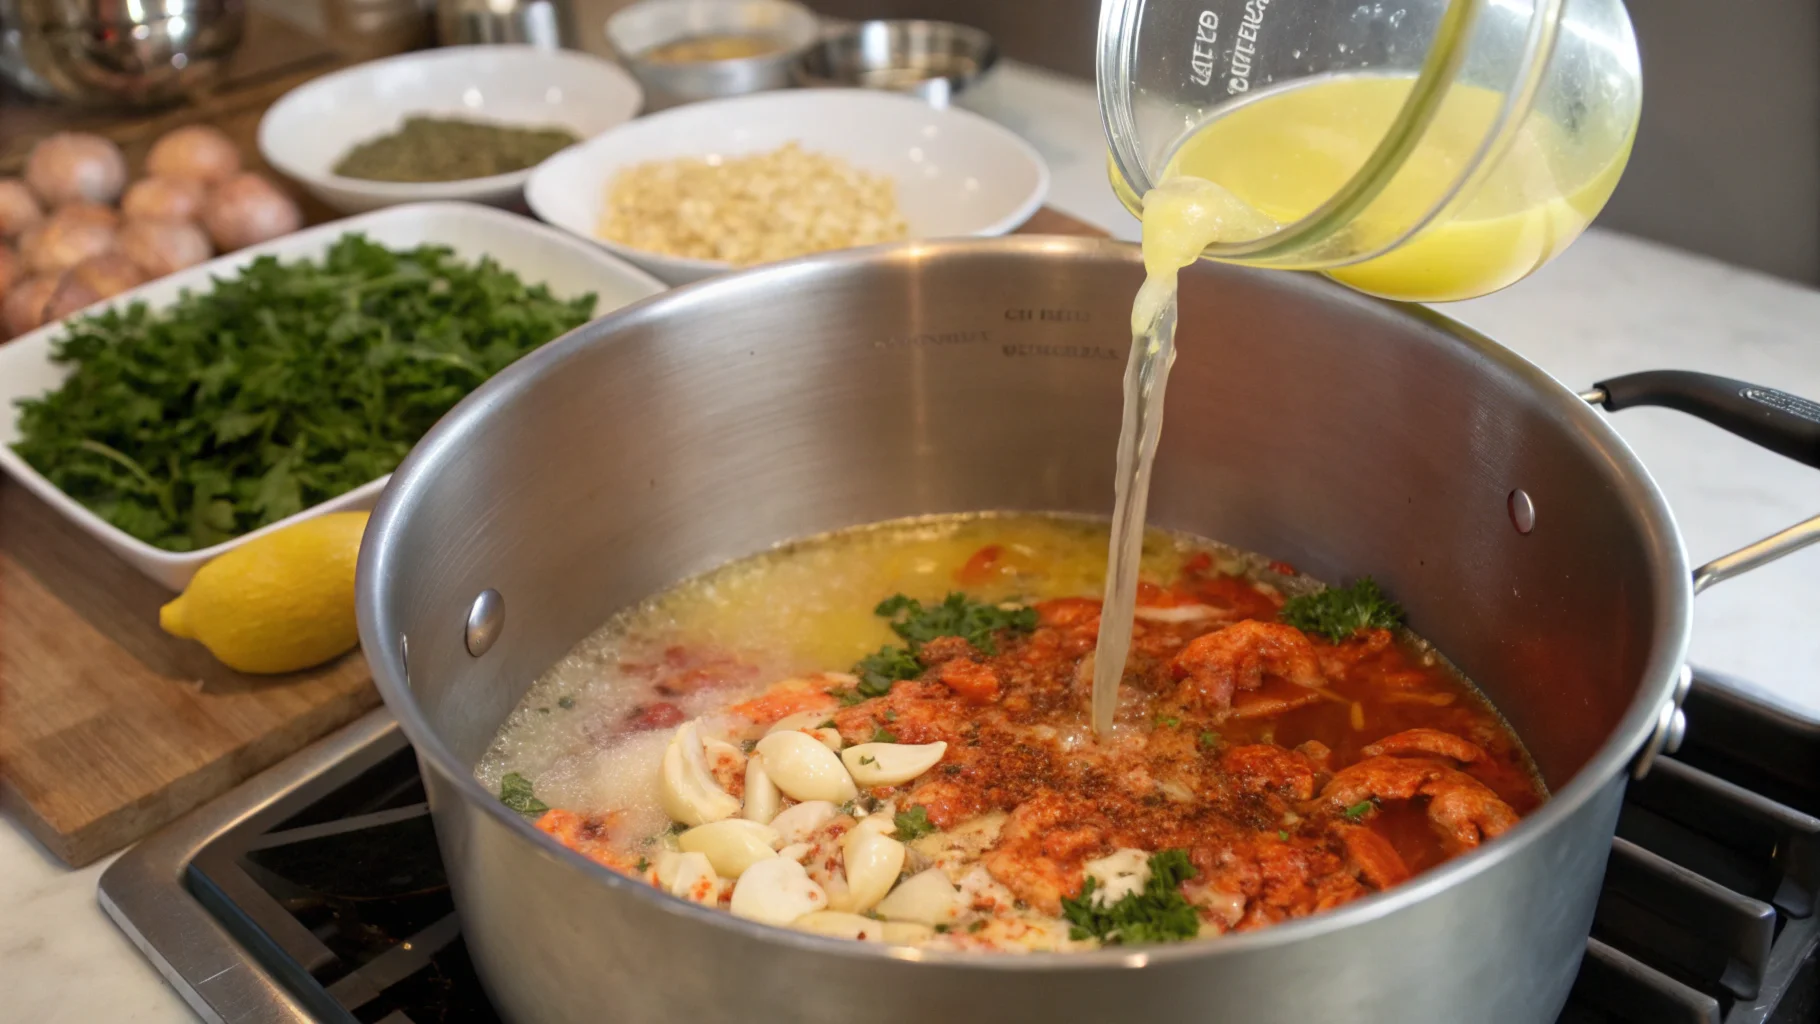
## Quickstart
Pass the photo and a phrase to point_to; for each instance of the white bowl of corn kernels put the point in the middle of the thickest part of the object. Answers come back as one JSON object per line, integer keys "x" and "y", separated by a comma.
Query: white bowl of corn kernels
{"x": 710, "y": 187}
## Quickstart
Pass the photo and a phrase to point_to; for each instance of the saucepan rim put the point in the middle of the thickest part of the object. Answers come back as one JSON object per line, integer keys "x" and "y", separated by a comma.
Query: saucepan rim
{"x": 380, "y": 634}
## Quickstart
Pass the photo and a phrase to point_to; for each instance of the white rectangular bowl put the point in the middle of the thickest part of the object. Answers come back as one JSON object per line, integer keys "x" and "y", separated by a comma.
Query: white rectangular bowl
{"x": 536, "y": 253}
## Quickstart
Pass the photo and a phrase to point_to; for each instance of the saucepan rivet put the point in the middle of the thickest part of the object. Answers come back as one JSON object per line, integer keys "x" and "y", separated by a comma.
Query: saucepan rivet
{"x": 486, "y": 618}
{"x": 404, "y": 655}
{"x": 1522, "y": 510}
{"x": 1677, "y": 731}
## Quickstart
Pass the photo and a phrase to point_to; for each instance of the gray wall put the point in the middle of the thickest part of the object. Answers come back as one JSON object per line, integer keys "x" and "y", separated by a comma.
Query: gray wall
{"x": 1728, "y": 159}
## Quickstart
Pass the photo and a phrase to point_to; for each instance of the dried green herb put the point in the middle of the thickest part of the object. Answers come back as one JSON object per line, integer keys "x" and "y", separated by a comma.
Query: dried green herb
{"x": 451, "y": 149}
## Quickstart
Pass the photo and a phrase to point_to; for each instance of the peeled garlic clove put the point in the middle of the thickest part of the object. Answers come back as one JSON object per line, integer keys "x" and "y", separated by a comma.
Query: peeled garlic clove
{"x": 891, "y": 764}
{"x": 838, "y": 925}
{"x": 762, "y": 797}
{"x": 872, "y": 863}
{"x": 692, "y": 877}
{"x": 904, "y": 933}
{"x": 797, "y": 852}
{"x": 731, "y": 845}
{"x": 776, "y": 891}
{"x": 809, "y": 723}
{"x": 926, "y": 898}
{"x": 805, "y": 769}
{"x": 686, "y": 787}
{"x": 878, "y": 824}
{"x": 798, "y": 821}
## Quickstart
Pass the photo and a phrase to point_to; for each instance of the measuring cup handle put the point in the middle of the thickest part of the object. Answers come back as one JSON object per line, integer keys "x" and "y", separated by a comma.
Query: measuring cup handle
{"x": 1784, "y": 423}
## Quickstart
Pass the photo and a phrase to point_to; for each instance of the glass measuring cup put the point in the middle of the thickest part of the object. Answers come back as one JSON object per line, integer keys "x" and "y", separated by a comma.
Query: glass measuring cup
{"x": 1416, "y": 149}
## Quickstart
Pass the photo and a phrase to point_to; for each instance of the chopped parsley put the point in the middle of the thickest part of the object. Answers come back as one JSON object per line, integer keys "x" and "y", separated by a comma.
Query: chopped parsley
{"x": 882, "y": 735}
{"x": 1284, "y": 836}
{"x": 1358, "y": 810}
{"x": 890, "y": 714}
{"x": 515, "y": 792}
{"x": 976, "y": 925}
{"x": 1338, "y": 612}
{"x": 941, "y": 929}
{"x": 956, "y": 615}
{"x": 1168, "y": 721}
{"x": 565, "y": 702}
{"x": 878, "y": 671}
{"x": 867, "y": 759}
{"x": 829, "y": 724}
{"x": 1160, "y": 913}
{"x": 1209, "y": 740}
{"x": 848, "y": 698}
{"x": 643, "y": 864}
{"x": 913, "y": 824}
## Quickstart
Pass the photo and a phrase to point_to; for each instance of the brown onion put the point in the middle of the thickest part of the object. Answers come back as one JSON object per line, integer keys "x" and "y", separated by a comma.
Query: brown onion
{"x": 88, "y": 213}
{"x": 161, "y": 247}
{"x": 64, "y": 241}
{"x": 24, "y": 308}
{"x": 197, "y": 152}
{"x": 108, "y": 274}
{"x": 72, "y": 167}
{"x": 19, "y": 209}
{"x": 71, "y": 295}
{"x": 164, "y": 199}
{"x": 246, "y": 210}
{"x": 12, "y": 268}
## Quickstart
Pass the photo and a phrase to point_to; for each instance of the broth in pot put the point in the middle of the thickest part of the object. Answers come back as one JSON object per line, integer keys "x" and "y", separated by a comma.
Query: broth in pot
{"x": 884, "y": 734}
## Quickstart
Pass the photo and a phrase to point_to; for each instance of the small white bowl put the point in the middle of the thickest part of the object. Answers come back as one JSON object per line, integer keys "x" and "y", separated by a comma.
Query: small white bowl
{"x": 957, "y": 174}
{"x": 537, "y": 254}
{"x": 313, "y": 126}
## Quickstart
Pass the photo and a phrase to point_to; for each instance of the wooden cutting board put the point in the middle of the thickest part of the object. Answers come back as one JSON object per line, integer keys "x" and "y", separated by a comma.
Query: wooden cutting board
{"x": 109, "y": 728}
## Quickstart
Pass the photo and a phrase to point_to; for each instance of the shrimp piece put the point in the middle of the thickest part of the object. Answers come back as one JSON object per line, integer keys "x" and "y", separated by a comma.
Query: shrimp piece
{"x": 1042, "y": 851}
{"x": 1261, "y": 767}
{"x": 971, "y": 681}
{"x": 1373, "y": 858}
{"x": 1382, "y": 778}
{"x": 1466, "y": 813}
{"x": 786, "y": 698}
{"x": 588, "y": 836}
{"x": 1463, "y": 810}
{"x": 1214, "y": 666}
{"x": 1415, "y": 742}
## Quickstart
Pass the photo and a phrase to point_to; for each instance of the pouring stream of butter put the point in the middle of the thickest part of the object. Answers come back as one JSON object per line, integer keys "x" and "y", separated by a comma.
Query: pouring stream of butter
{"x": 1182, "y": 217}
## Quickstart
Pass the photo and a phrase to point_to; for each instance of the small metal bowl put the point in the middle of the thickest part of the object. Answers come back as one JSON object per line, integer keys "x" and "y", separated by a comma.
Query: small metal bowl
{"x": 91, "y": 53}
{"x": 637, "y": 30}
{"x": 936, "y": 60}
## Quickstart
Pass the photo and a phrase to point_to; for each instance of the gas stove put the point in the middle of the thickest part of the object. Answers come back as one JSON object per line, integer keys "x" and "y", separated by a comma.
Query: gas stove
{"x": 315, "y": 892}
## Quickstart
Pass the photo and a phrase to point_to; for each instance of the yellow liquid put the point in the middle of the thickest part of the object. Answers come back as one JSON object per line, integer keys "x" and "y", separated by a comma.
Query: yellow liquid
{"x": 1284, "y": 154}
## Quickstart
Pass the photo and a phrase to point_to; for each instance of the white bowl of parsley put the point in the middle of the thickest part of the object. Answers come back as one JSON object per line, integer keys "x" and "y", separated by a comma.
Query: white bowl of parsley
{"x": 286, "y": 380}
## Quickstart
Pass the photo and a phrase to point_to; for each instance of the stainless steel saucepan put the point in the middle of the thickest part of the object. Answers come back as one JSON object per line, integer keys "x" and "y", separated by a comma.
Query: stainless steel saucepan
{"x": 1342, "y": 434}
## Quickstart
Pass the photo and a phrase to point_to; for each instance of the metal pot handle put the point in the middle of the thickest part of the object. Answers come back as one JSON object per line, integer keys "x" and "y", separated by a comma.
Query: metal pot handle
{"x": 1784, "y": 423}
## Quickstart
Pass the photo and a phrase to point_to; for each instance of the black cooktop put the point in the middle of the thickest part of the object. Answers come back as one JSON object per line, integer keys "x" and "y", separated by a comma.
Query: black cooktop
{"x": 335, "y": 888}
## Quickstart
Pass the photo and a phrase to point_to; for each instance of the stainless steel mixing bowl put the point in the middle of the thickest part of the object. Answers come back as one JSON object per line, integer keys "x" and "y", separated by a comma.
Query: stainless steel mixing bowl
{"x": 936, "y": 60}
{"x": 102, "y": 52}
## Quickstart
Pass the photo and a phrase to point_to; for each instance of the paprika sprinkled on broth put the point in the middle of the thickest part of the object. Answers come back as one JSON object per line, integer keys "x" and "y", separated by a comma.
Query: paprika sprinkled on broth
{"x": 1279, "y": 749}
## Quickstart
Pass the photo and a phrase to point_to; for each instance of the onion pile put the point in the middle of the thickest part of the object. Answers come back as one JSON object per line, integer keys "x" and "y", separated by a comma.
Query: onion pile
{"x": 64, "y": 245}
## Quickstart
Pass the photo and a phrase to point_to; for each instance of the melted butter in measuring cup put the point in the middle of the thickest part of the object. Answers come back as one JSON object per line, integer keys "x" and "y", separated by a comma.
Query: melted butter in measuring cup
{"x": 1182, "y": 217}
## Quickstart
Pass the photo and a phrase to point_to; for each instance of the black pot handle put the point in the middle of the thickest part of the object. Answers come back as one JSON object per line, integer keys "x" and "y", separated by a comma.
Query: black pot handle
{"x": 1784, "y": 423}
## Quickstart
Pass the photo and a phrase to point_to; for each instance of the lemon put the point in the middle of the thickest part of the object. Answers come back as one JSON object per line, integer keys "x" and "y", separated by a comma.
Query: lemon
{"x": 280, "y": 603}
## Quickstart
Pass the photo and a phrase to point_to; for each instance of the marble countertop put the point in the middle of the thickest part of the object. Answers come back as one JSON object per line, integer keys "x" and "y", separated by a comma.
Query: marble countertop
{"x": 1610, "y": 305}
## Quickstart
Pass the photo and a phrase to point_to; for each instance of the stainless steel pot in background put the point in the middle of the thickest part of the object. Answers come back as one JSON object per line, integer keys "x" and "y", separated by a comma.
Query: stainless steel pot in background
{"x": 1344, "y": 435}
{"x": 96, "y": 53}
